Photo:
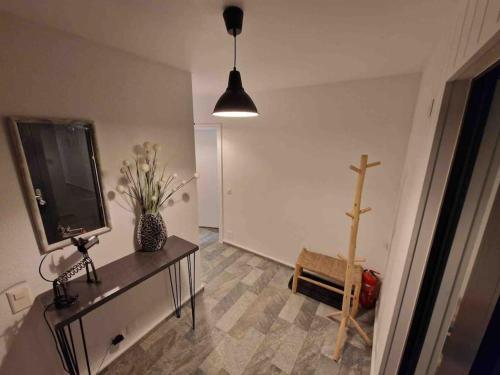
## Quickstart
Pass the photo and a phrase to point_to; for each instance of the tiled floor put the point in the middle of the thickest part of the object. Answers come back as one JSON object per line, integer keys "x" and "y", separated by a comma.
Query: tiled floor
{"x": 248, "y": 322}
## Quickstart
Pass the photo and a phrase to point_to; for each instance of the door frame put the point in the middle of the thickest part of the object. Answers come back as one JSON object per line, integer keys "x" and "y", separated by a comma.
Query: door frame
{"x": 450, "y": 117}
{"x": 480, "y": 286}
{"x": 469, "y": 228}
{"x": 220, "y": 174}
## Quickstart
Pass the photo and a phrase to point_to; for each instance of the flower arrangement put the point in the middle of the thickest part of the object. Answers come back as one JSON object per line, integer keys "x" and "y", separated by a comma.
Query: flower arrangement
{"x": 143, "y": 182}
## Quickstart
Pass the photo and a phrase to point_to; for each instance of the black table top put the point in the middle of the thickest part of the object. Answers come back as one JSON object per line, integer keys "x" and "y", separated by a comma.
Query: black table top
{"x": 115, "y": 278}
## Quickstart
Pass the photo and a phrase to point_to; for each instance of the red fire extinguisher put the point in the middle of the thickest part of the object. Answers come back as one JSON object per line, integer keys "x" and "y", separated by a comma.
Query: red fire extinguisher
{"x": 369, "y": 289}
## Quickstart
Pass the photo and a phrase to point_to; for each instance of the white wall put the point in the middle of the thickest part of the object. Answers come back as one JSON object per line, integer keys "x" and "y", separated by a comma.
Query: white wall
{"x": 416, "y": 160}
{"x": 288, "y": 168}
{"x": 208, "y": 183}
{"x": 471, "y": 28}
{"x": 49, "y": 73}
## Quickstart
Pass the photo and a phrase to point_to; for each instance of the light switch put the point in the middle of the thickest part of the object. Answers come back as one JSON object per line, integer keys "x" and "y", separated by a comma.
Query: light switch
{"x": 20, "y": 298}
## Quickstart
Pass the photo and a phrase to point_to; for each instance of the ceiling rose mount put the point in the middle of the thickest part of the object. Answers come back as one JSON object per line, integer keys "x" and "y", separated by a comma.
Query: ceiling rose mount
{"x": 233, "y": 18}
{"x": 234, "y": 102}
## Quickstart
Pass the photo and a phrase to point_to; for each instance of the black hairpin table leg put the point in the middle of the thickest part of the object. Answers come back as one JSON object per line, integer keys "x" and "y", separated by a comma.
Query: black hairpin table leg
{"x": 73, "y": 351}
{"x": 175, "y": 285}
{"x": 84, "y": 342}
{"x": 176, "y": 288}
{"x": 67, "y": 351}
{"x": 192, "y": 284}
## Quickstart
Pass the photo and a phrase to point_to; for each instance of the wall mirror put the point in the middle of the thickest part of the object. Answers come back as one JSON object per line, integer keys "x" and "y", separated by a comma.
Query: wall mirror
{"x": 59, "y": 166}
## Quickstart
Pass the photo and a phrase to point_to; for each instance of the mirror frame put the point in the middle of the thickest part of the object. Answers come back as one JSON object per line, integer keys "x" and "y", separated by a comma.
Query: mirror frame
{"x": 29, "y": 192}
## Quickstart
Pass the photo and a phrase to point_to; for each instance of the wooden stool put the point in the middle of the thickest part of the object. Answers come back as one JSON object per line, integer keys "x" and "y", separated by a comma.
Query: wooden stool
{"x": 331, "y": 268}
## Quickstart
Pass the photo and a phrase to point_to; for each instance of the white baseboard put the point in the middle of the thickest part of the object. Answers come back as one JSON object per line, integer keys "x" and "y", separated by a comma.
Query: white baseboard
{"x": 245, "y": 248}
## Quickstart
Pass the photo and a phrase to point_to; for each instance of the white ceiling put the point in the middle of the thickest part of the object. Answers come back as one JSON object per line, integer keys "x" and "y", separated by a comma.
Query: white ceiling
{"x": 284, "y": 43}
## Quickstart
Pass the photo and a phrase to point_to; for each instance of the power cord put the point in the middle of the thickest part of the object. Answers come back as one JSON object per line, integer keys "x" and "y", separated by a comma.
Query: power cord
{"x": 45, "y": 316}
{"x": 103, "y": 358}
{"x": 40, "y": 270}
{"x": 118, "y": 338}
{"x": 54, "y": 336}
{"x": 68, "y": 273}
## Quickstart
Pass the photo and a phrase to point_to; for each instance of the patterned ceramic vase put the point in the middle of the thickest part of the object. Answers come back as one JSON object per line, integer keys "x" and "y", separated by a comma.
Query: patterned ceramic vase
{"x": 151, "y": 232}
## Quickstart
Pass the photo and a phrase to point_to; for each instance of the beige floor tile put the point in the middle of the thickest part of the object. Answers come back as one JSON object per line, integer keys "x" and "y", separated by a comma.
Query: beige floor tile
{"x": 229, "y": 319}
{"x": 292, "y": 307}
{"x": 252, "y": 277}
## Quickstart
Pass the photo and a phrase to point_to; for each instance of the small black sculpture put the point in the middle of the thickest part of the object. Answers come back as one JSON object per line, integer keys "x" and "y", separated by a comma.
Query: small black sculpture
{"x": 61, "y": 297}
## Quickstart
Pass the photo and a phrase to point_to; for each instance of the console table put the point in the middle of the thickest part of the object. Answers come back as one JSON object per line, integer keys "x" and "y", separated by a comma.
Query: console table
{"x": 116, "y": 278}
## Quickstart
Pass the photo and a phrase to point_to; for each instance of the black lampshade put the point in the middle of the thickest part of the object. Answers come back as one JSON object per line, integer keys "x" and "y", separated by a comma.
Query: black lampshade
{"x": 235, "y": 102}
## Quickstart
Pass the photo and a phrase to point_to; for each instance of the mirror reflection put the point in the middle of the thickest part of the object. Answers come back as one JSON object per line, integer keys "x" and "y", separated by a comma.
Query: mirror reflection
{"x": 63, "y": 172}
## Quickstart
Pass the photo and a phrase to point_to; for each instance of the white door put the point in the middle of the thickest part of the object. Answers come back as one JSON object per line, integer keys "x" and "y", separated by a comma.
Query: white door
{"x": 208, "y": 183}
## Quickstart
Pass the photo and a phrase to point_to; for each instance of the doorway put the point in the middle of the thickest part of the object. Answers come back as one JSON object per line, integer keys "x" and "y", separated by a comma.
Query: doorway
{"x": 208, "y": 151}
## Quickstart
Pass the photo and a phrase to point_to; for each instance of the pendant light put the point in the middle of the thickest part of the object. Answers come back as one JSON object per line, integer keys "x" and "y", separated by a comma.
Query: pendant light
{"x": 234, "y": 102}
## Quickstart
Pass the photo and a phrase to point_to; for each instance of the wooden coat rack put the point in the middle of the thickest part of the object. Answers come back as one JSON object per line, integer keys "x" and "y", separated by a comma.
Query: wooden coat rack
{"x": 346, "y": 315}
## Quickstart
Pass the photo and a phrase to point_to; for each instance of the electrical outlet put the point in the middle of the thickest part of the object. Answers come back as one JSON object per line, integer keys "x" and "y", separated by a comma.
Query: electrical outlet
{"x": 19, "y": 297}
{"x": 117, "y": 339}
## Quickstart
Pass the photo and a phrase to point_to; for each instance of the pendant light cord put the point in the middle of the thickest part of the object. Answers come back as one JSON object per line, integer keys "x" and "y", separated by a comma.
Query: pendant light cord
{"x": 234, "y": 65}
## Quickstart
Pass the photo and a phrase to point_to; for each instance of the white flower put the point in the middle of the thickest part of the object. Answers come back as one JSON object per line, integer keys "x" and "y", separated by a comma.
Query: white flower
{"x": 126, "y": 163}
{"x": 183, "y": 182}
{"x": 123, "y": 170}
{"x": 157, "y": 147}
{"x": 145, "y": 167}
{"x": 196, "y": 175}
{"x": 174, "y": 175}
{"x": 154, "y": 198}
{"x": 120, "y": 189}
{"x": 147, "y": 146}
